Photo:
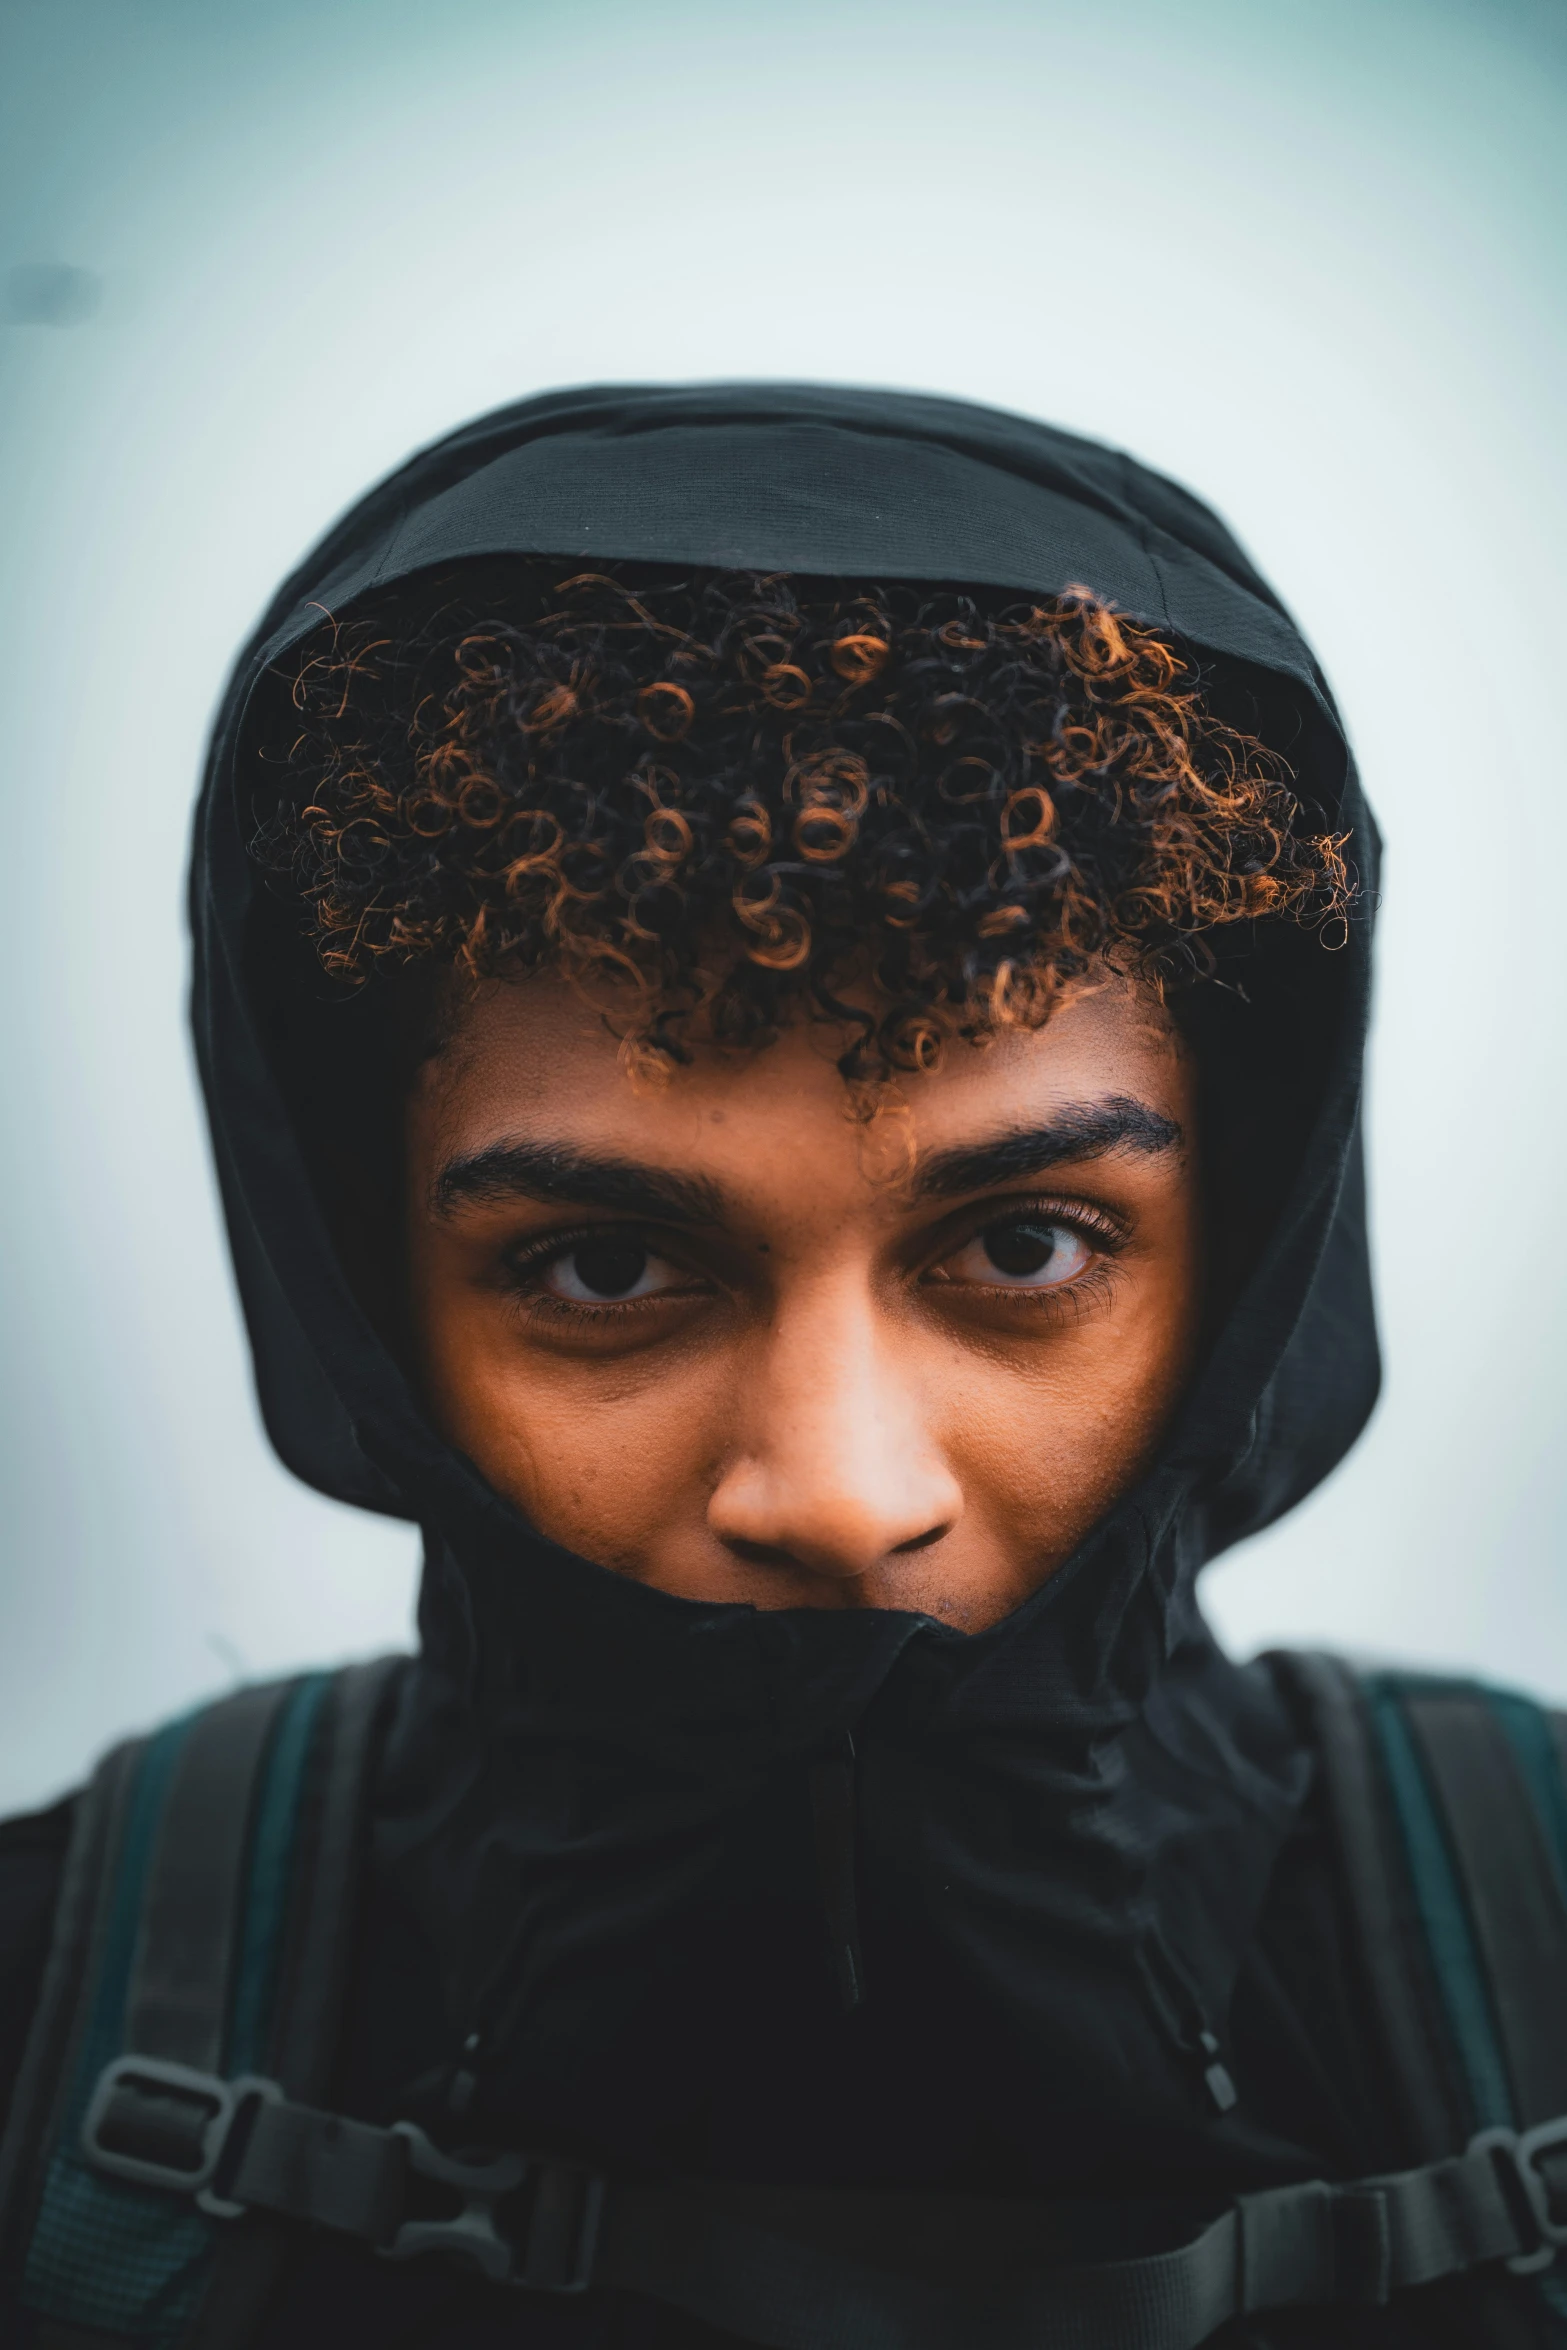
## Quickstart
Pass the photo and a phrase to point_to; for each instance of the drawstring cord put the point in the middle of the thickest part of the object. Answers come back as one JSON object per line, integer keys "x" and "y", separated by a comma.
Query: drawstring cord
{"x": 833, "y": 1816}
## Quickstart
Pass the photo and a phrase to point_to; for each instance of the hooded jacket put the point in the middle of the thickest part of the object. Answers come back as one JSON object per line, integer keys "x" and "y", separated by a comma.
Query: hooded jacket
{"x": 616, "y": 1831}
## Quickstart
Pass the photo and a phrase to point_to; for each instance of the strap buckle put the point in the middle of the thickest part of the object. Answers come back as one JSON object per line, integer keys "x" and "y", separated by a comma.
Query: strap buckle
{"x": 1519, "y": 2153}
{"x": 167, "y": 2125}
{"x": 550, "y": 2211}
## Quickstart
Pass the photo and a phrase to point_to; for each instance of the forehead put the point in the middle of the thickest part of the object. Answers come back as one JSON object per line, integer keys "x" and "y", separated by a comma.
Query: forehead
{"x": 527, "y": 1057}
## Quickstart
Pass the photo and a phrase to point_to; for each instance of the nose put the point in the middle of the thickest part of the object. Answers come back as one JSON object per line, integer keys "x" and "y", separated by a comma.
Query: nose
{"x": 840, "y": 1471}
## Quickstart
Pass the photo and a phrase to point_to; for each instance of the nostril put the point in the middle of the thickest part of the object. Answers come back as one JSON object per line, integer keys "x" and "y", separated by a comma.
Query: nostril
{"x": 760, "y": 1554}
{"x": 777, "y": 1554}
{"x": 921, "y": 1541}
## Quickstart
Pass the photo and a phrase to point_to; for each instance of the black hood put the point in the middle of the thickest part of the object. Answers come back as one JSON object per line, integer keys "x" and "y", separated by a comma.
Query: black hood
{"x": 596, "y": 1822}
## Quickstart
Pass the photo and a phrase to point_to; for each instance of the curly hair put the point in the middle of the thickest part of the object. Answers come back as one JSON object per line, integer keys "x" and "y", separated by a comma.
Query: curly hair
{"x": 727, "y": 797}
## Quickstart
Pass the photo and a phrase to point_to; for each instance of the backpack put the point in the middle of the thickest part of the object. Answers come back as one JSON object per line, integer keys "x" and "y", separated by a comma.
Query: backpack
{"x": 168, "y": 2136}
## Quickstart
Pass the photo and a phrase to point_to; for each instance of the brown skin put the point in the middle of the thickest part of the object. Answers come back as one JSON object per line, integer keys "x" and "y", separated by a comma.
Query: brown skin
{"x": 805, "y": 1381}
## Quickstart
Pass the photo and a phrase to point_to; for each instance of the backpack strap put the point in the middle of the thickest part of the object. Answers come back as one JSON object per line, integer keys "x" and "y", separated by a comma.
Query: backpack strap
{"x": 36, "y": 2116}
{"x": 1507, "y": 1979}
{"x": 200, "y": 1938}
{"x": 323, "y": 1863}
{"x": 807, "y": 2270}
{"x": 1390, "y": 1942}
{"x": 1449, "y": 1804}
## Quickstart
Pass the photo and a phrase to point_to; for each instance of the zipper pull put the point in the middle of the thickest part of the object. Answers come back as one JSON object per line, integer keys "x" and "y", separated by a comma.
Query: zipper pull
{"x": 1180, "y": 2011}
{"x": 464, "y": 2079}
{"x": 1216, "y": 2074}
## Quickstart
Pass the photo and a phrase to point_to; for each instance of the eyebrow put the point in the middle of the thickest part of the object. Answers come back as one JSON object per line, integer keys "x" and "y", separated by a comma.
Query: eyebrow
{"x": 589, "y": 1179}
{"x": 1091, "y": 1130}
{"x": 584, "y": 1179}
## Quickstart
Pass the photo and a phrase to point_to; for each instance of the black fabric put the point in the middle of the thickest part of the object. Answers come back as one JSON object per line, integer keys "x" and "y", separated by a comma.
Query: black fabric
{"x": 596, "y": 1917}
{"x": 32, "y": 1861}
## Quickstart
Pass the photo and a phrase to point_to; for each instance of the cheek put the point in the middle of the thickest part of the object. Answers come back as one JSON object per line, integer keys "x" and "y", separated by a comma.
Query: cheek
{"x": 595, "y": 1457}
{"x": 1037, "y": 1470}
{"x": 1046, "y": 1443}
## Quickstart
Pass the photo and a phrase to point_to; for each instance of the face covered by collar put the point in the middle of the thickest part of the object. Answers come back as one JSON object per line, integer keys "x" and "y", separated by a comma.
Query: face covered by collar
{"x": 1053, "y": 1838}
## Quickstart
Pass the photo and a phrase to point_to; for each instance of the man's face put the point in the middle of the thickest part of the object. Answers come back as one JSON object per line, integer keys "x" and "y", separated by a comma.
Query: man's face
{"x": 718, "y": 1336}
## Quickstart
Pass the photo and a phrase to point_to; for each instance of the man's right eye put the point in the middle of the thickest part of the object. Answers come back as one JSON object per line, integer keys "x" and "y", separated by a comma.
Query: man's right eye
{"x": 610, "y": 1271}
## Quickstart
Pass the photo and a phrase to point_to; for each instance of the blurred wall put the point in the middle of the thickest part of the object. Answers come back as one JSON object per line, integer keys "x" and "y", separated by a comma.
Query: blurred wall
{"x": 1304, "y": 254}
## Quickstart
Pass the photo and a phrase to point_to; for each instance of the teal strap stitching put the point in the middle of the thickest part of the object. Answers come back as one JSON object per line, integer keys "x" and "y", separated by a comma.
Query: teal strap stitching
{"x": 1460, "y": 1978}
{"x": 1528, "y": 1732}
{"x": 267, "y": 1888}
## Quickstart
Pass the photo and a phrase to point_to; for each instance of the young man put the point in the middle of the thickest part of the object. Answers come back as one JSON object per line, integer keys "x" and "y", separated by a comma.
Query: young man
{"x": 780, "y": 980}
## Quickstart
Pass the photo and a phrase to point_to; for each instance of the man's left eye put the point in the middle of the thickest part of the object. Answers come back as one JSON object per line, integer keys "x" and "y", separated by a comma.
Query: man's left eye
{"x": 1021, "y": 1252}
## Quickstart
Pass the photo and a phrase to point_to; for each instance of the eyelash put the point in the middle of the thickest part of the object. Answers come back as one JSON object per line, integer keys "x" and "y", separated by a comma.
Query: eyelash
{"x": 1073, "y": 1299}
{"x": 1106, "y": 1234}
{"x": 527, "y": 1262}
{"x": 1105, "y": 1231}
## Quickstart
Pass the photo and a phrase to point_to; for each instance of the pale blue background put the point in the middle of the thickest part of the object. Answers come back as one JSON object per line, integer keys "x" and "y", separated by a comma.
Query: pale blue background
{"x": 1305, "y": 256}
